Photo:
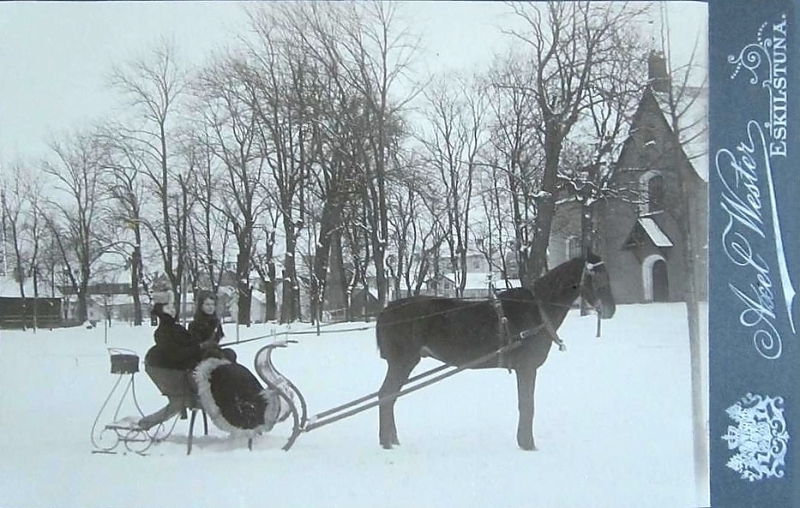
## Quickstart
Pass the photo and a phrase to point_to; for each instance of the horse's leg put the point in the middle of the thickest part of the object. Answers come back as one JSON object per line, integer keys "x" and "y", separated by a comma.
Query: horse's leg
{"x": 396, "y": 375}
{"x": 526, "y": 383}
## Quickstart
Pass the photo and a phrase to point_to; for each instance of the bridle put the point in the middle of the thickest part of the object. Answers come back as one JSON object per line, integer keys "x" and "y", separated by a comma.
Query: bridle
{"x": 590, "y": 271}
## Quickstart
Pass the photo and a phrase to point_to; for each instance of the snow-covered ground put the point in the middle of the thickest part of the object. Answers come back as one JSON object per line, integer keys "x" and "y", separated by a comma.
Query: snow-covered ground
{"x": 613, "y": 427}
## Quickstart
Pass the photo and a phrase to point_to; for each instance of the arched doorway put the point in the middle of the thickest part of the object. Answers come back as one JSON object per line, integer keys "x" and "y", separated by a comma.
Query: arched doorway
{"x": 655, "y": 279}
{"x": 660, "y": 281}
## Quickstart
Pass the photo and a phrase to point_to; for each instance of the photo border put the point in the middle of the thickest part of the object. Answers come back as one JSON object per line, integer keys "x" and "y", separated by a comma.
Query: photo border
{"x": 753, "y": 251}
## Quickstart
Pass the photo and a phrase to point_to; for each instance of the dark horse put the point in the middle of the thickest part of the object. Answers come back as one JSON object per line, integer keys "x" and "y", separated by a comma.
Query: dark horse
{"x": 457, "y": 331}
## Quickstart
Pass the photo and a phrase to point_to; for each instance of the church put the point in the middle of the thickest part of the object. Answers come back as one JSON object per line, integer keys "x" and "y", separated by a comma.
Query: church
{"x": 646, "y": 233}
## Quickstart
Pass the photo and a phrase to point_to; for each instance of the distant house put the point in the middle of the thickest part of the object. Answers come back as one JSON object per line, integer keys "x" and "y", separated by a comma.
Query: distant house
{"x": 476, "y": 284}
{"x": 364, "y": 303}
{"x": 481, "y": 277}
{"x": 108, "y": 296}
{"x": 16, "y": 311}
{"x": 642, "y": 234}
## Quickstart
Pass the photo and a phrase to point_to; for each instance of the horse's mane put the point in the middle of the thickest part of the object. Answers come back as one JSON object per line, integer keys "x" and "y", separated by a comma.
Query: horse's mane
{"x": 515, "y": 294}
{"x": 552, "y": 285}
{"x": 559, "y": 279}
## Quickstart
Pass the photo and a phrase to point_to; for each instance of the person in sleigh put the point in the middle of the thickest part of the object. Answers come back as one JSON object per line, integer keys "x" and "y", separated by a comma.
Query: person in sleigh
{"x": 206, "y": 327}
{"x": 170, "y": 363}
{"x": 231, "y": 395}
{"x": 191, "y": 370}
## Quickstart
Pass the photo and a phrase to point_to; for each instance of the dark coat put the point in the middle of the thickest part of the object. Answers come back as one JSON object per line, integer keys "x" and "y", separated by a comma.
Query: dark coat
{"x": 175, "y": 347}
{"x": 205, "y": 327}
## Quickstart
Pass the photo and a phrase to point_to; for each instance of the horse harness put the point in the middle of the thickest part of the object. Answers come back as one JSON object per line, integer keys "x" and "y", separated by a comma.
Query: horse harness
{"x": 505, "y": 334}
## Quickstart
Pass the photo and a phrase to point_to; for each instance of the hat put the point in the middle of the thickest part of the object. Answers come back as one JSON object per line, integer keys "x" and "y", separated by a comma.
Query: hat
{"x": 163, "y": 297}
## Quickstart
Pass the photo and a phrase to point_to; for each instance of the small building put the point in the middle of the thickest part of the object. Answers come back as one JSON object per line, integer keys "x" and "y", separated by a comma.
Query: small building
{"x": 476, "y": 284}
{"x": 18, "y": 312}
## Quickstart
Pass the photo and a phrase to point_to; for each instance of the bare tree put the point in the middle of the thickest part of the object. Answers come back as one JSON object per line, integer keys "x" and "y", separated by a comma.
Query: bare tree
{"x": 153, "y": 87}
{"x": 75, "y": 211}
{"x": 127, "y": 197}
{"x": 209, "y": 228}
{"x": 589, "y": 165}
{"x": 19, "y": 198}
{"x": 567, "y": 42}
{"x": 456, "y": 137}
{"x": 380, "y": 51}
{"x": 234, "y": 140}
{"x": 338, "y": 130}
{"x": 417, "y": 230}
{"x": 265, "y": 266}
{"x": 33, "y": 191}
{"x": 337, "y": 181}
{"x": 283, "y": 84}
{"x": 515, "y": 156}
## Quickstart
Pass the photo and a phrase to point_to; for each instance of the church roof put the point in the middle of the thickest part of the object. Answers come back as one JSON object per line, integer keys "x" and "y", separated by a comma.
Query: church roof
{"x": 656, "y": 234}
{"x": 692, "y": 111}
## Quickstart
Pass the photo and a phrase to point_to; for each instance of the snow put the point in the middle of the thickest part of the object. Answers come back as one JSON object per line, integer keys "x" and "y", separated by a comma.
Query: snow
{"x": 9, "y": 288}
{"x": 613, "y": 427}
{"x": 660, "y": 239}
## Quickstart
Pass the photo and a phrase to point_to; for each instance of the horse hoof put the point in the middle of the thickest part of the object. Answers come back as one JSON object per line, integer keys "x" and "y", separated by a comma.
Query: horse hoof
{"x": 386, "y": 446}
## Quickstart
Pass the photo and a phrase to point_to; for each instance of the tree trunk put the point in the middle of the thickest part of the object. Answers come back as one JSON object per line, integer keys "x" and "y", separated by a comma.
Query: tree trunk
{"x": 243, "y": 284}
{"x": 700, "y": 432}
{"x": 537, "y": 260}
{"x": 136, "y": 275}
{"x": 290, "y": 309}
{"x": 21, "y": 280}
{"x": 269, "y": 286}
{"x": 35, "y": 299}
{"x": 331, "y": 213}
{"x": 336, "y": 292}
{"x": 587, "y": 239}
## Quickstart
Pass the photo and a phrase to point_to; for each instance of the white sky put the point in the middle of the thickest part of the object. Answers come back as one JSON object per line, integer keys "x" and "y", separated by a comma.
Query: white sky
{"x": 54, "y": 56}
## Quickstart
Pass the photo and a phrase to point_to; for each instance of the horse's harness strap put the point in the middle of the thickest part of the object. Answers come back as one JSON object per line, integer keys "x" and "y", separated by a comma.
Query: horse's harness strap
{"x": 551, "y": 329}
{"x": 502, "y": 323}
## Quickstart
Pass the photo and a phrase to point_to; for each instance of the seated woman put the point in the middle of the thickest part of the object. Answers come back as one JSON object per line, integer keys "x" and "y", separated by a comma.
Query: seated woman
{"x": 206, "y": 328}
{"x": 170, "y": 363}
{"x": 230, "y": 393}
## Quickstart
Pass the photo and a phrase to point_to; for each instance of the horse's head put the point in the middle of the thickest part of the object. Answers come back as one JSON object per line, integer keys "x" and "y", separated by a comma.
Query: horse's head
{"x": 596, "y": 286}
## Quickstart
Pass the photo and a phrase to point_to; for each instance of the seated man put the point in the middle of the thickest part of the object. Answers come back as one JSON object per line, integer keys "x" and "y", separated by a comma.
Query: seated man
{"x": 170, "y": 363}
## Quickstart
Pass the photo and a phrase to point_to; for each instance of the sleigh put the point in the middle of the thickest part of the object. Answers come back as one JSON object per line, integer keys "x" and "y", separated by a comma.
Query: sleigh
{"x": 113, "y": 433}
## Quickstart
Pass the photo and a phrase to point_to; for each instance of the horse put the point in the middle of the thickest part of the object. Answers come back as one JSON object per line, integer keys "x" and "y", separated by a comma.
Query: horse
{"x": 458, "y": 331}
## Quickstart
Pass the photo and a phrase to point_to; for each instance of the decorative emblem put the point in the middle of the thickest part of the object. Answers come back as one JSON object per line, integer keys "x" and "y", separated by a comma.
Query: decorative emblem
{"x": 760, "y": 437}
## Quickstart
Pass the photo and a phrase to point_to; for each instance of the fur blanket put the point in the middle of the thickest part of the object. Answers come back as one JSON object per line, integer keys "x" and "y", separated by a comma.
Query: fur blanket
{"x": 234, "y": 398}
